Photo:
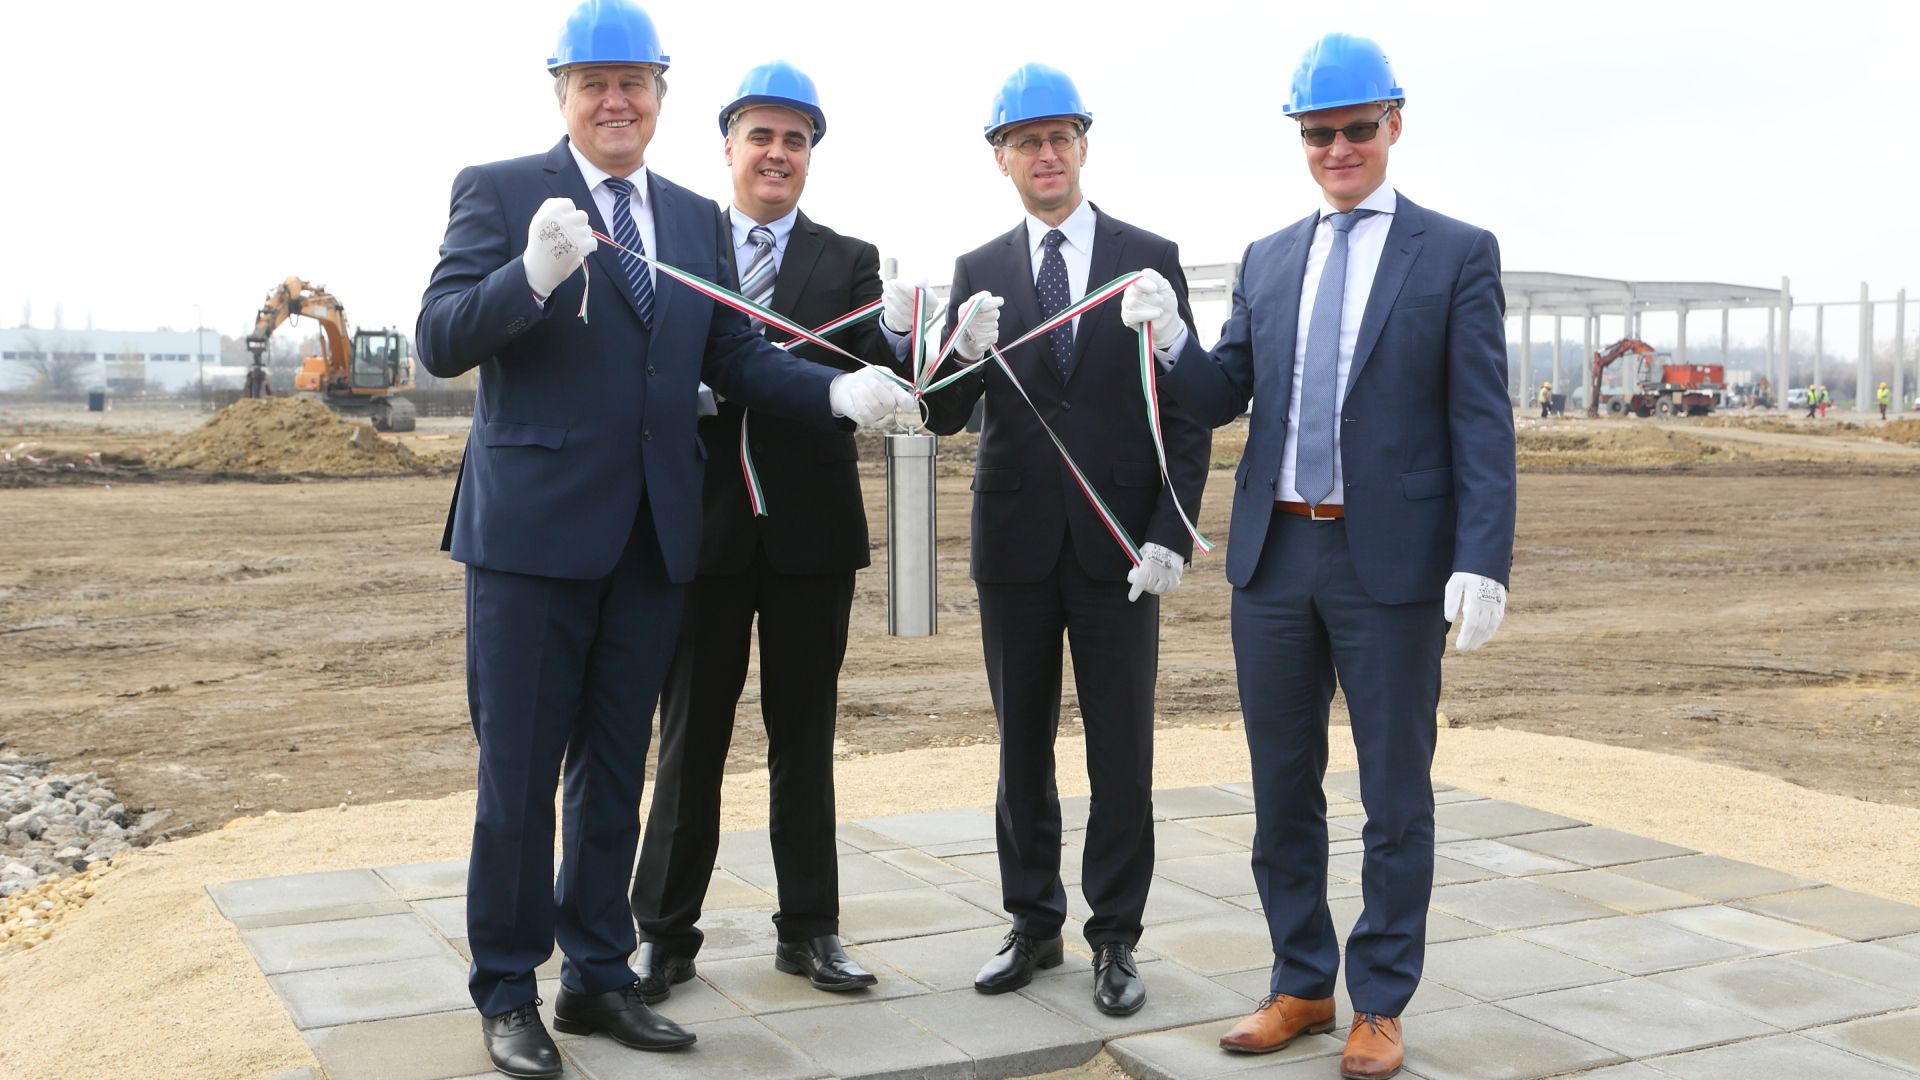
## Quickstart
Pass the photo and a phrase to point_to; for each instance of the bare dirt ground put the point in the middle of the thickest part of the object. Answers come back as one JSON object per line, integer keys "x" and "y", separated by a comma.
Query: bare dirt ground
{"x": 1743, "y": 593}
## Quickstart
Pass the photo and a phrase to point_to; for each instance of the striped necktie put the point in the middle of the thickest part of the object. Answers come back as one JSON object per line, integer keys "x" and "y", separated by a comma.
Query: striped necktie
{"x": 627, "y": 235}
{"x": 756, "y": 283}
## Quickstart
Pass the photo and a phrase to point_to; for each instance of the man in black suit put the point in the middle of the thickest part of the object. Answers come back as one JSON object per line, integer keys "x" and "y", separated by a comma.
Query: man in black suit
{"x": 1044, "y": 563}
{"x": 792, "y": 565}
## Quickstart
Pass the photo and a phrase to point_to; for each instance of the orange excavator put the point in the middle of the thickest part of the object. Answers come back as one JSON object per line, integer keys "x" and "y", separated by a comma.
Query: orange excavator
{"x": 359, "y": 374}
{"x": 1656, "y": 386}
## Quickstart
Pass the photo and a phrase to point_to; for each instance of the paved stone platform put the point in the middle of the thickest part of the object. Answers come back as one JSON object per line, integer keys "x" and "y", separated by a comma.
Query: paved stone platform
{"x": 1556, "y": 948}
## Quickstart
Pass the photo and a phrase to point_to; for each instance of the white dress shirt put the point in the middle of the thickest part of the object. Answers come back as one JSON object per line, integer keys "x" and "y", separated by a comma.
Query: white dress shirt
{"x": 1365, "y": 241}
{"x": 1077, "y": 251}
{"x": 744, "y": 248}
{"x": 603, "y": 197}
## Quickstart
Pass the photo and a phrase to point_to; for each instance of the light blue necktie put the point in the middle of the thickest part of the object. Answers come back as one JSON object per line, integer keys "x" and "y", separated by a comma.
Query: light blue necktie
{"x": 627, "y": 235}
{"x": 1319, "y": 388}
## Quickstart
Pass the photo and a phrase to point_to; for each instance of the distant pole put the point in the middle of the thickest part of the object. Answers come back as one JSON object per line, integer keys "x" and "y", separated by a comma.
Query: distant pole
{"x": 1900, "y": 350}
{"x": 1863, "y": 367}
{"x": 1526, "y": 351}
{"x": 1558, "y": 333}
{"x": 1786, "y": 339}
{"x": 1680, "y": 334}
{"x": 1726, "y": 320}
{"x": 1819, "y": 339}
{"x": 199, "y": 355}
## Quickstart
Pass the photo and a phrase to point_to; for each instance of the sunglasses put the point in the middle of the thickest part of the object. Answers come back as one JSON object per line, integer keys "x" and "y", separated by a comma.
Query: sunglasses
{"x": 1357, "y": 132}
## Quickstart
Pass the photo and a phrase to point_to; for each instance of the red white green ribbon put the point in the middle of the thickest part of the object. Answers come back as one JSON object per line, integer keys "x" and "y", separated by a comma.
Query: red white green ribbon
{"x": 1150, "y": 387}
{"x": 756, "y": 496}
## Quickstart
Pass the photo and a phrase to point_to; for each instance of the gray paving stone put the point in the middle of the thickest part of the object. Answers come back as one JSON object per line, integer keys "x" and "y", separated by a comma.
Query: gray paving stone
{"x": 870, "y": 1041}
{"x": 1908, "y": 944}
{"x": 1174, "y": 840}
{"x": 298, "y": 1074}
{"x": 1456, "y": 795}
{"x": 736, "y": 932}
{"x": 934, "y": 829}
{"x": 942, "y": 962}
{"x": 1167, "y": 902}
{"x": 1192, "y": 802}
{"x": 447, "y": 914}
{"x": 1784, "y": 994}
{"x": 296, "y": 898}
{"x": 907, "y": 913}
{"x": 1496, "y": 967}
{"x": 1500, "y": 857}
{"x": 960, "y": 847}
{"x": 1483, "y": 1042}
{"x": 1224, "y": 874}
{"x": 1073, "y": 812}
{"x": 1215, "y": 944}
{"x": 1784, "y": 1056}
{"x": 859, "y": 873}
{"x": 1592, "y": 846}
{"x": 1175, "y": 996}
{"x": 697, "y": 1002}
{"x": 1844, "y": 912}
{"x": 1629, "y": 896}
{"x": 1635, "y": 944}
{"x": 1892, "y": 1040}
{"x": 1757, "y": 932}
{"x": 743, "y": 849}
{"x": 758, "y": 988}
{"x": 1346, "y": 784}
{"x": 1638, "y": 1018}
{"x": 1514, "y": 904}
{"x": 863, "y": 838}
{"x": 328, "y": 997}
{"x": 984, "y": 867}
{"x": 1006, "y": 1035}
{"x": 1193, "y": 1053}
{"x": 727, "y": 890}
{"x": 927, "y": 868}
{"x": 1236, "y": 828}
{"x": 341, "y": 943}
{"x": 1630, "y": 1071}
{"x": 1870, "y": 962}
{"x": 424, "y": 881}
{"x": 1496, "y": 818}
{"x": 1243, "y": 788}
{"x": 730, "y": 1048}
{"x": 1347, "y": 865}
{"x": 430, "y": 1047}
{"x": 982, "y": 895}
{"x": 1712, "y": 877}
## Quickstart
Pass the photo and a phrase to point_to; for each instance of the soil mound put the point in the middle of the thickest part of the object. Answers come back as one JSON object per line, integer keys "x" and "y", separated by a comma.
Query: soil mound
{"x": 1609, "y": 446}
{"x": 288, "y": 435}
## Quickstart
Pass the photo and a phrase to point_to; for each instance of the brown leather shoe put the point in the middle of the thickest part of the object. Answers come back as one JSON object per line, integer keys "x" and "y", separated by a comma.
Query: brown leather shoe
{"x": 1374, "y": 1050}
{"x": 1277, "y": 1021}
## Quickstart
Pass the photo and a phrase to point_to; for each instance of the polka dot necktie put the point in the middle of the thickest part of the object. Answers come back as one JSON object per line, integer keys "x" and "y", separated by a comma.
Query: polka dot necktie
{"x": 1052, "y": 287}
{"x": 627, "y": 235}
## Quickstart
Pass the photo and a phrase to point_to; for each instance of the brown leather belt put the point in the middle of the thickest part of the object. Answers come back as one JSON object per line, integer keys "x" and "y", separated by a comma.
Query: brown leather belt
{"x": 1319, "y": 513}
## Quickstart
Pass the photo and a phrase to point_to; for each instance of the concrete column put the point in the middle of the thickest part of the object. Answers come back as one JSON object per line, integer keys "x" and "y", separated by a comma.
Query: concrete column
{"x": 1786, "y": 338}
{"x": 1558, "y": 380}
{"x": 1726, "y": 320}
{"x": 1773, "y": 361}
{"x": 1819, "y": 338}
{"x": 1863, "y": 380}
{"x": 1526, "y": 355}
{"x": 1900, "y": 351}
{"x": 1680, "y": 335}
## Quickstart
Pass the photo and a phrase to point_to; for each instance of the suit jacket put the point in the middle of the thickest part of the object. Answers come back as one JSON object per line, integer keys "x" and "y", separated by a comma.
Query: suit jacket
{"x": 575, "y": 420}
{"x": 1426, "y": 440}
{"x": 816, "y": 522}
{"x": 1026, "y": 503}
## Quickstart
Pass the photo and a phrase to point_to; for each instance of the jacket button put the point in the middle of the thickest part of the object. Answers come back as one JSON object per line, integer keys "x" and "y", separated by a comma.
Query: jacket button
{"x": 649, "y": 369}
{"x": 646, "y": 436}
{"x": 1067, "y": 405}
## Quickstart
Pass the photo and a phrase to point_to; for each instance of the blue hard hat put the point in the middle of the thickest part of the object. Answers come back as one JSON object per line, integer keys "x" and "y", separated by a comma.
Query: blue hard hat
{"x": 607, "y": 32}
{"x": 779, "y": 83}
{"x": 1036, "y": 92}
{"x": 1339, "y": 70}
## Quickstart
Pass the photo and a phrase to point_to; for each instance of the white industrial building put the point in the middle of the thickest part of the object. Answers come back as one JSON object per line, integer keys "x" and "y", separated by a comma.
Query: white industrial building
{"x": 123, "y": 361}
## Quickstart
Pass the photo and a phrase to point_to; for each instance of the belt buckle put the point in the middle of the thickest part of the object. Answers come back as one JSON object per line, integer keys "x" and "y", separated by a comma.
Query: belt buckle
{"x": 1313, "y": 514}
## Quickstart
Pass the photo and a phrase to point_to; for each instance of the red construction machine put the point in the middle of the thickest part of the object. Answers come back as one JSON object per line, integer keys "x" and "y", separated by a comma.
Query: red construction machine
{"x": 1654, "y": 384}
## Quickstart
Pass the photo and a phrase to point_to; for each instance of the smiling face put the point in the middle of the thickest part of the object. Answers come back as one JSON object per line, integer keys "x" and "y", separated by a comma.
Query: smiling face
{"x": 1049, "y": 178}
{"x": 1348, "y": 171}
{"x": 611, "y": 111}
{"x": 768, "y": 149}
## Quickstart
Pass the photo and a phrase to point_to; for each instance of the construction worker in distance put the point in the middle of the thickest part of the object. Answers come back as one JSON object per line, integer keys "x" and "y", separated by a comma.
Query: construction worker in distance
{"x": 1545, "y": 398}
{"x": 1813, "y": 399}
{"x": 1826, "y": 399}
{"x": 1883, "y": 397}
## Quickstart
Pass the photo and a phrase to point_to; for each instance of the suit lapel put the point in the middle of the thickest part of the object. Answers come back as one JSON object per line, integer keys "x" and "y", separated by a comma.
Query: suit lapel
{"x": 565, "y": 181}
{"x": 1109, "y": 247}
{"x": 1292, "y": 276}
{"x": 1023, "y": 300}
{"x": 671, "y": 222}
{"x": 1396, "y": 260}
{"x": 796, "y": 263}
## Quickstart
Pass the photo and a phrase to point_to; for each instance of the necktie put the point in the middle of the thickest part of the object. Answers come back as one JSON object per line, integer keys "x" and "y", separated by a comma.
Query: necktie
{"x": 1319, "y": 389}
{"x": 756, "y": 282}
{"x": 627, "y": 235}
{"x": 1052, "y": 287}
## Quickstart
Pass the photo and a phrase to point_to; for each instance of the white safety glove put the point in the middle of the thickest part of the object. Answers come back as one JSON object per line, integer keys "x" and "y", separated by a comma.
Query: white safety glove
{"x": 1151, "y": 299}
{"x": 867, "y": 397}
{"x": 981, "y": 331}
{"x": 559, "y": 238}
{"x": 1158, "y": 573}
{"x": 1476, "y": 605}
{"x": 897, "y": 314}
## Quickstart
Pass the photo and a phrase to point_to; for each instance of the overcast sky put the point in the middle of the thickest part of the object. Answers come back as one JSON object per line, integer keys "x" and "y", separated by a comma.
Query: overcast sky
{"x": 161, "y": 157}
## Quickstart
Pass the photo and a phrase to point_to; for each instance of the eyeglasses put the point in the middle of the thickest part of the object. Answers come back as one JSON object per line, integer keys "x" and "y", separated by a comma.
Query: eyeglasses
{"x": 1029, "y": 146}
{"x": 1357, "y": 132}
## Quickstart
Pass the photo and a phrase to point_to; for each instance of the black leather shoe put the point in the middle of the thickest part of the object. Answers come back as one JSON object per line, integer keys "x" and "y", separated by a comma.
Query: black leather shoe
{"x": 1117, "y": 989}
{"x": 823, "y": 962}
{"x": 659, "y": 971}
{"x": 622, "y": 1014}
{"x": 519, "y": 1045}
{"x": 1013, "y": 966}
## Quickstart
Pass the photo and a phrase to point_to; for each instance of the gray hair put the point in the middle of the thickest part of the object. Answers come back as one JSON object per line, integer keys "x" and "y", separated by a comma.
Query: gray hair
{"x": 564, "y": 77}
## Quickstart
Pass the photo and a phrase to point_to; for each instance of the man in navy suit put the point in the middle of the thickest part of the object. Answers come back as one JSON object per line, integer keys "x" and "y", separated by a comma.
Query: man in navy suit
{"x": 1044, "y": 563}
{"x": 1374, "y": 502}
{"x": 577, "y": 514}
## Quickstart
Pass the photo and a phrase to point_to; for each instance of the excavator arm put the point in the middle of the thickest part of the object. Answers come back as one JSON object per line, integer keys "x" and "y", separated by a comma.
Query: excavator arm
{"x": 1605, "y": 358}
{"x": 295, "y": 297}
